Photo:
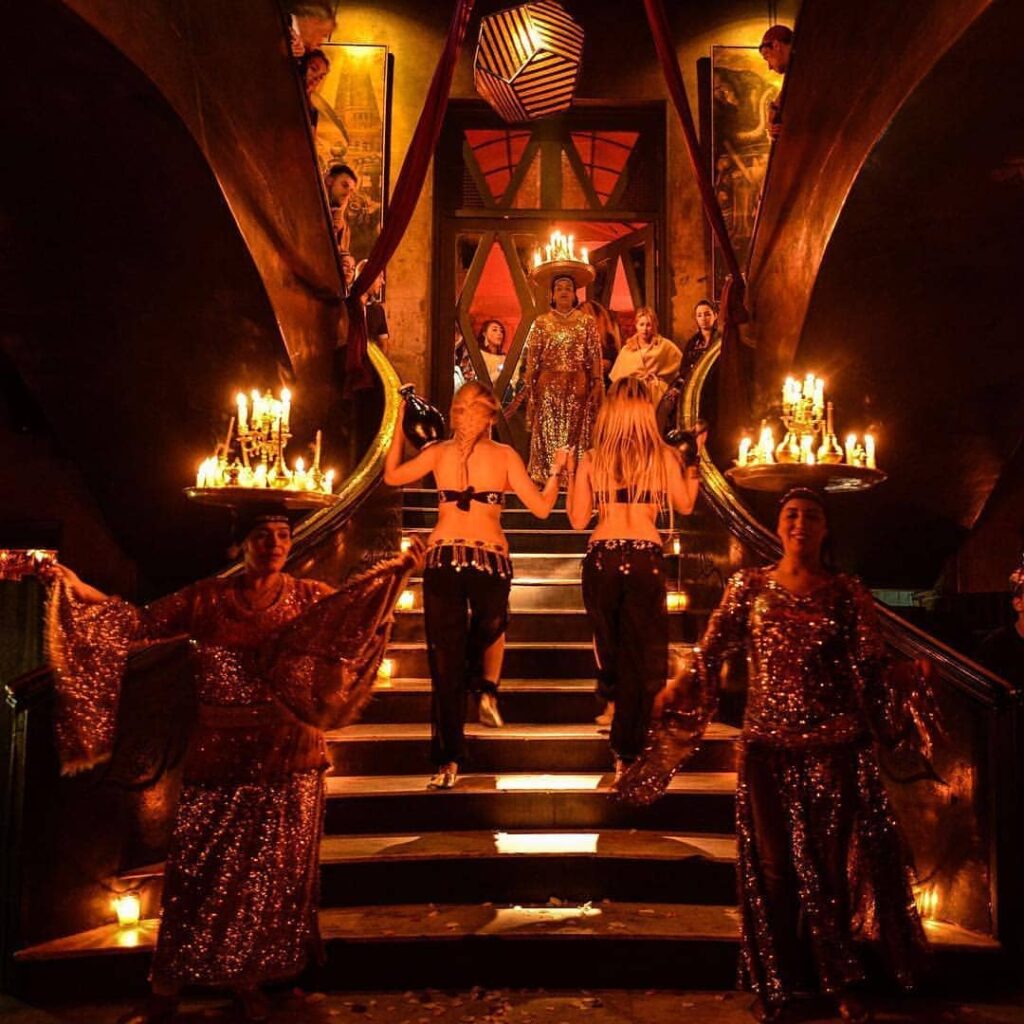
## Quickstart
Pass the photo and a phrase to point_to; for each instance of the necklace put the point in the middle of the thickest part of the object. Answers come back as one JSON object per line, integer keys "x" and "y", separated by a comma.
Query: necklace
{"x": 248, "y": 606}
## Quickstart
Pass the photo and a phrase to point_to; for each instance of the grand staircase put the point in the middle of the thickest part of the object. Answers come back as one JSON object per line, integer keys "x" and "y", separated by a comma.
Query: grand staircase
{"x": 528, "y": 873}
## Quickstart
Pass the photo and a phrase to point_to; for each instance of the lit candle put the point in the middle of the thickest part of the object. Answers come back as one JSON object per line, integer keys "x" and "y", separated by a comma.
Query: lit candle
{"x": 260, "y": 476}
{"x": 819, "y": 395}
{"x": 851, "y": 448}
{"x": 128, "y": 907}
{"x": 572, "y": 246}
{"x": 536, "y": 257}
{"x": 329, "y": 481}
{"x": 243, "y": 413}
{"x": 406, "y": 601}
{"x": 869, "y": 450}
{"x": 586, "y": 256}
{"x": 677, "y": 545}
{"x": 745, "y": 444}
{"x": 299, "y": 479}
{"x": 387, "y": 668}
{"x": 766, "y": 445}
{"x": 316, "y": 450}
{"x": 806, "y": 451}
{"x": 286, "y": 408}
{"x": 678, "y": 601}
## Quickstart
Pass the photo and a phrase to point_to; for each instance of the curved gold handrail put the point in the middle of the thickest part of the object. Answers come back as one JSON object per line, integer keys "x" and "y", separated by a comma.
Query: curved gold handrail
{"x": 967, "y": 675}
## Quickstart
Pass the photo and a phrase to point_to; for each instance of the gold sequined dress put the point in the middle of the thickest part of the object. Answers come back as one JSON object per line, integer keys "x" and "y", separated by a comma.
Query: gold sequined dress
{"x": 240, "y": 884}
{"x": 821, "y": 859}
{"x": 564, "y": 386}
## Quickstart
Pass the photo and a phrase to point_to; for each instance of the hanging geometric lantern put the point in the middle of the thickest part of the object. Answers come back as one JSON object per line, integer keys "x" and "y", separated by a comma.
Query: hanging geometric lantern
{"x": 528, "y": 59}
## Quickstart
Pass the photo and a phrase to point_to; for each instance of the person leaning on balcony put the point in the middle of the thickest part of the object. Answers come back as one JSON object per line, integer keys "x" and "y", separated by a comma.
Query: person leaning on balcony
{"x": 776, "y": 48}
{"x": 310, "y": 24}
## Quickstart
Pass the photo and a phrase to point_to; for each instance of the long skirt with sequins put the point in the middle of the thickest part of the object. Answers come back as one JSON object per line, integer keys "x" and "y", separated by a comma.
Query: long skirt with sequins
{"x": 820, "y": 856}
{"x": 240, "y": 888}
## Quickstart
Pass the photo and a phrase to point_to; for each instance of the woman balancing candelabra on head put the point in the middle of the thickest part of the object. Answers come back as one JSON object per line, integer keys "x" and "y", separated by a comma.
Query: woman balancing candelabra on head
{"x": 564, "y": 377}
{"x": 630, "y": 473}
{"x": 812, "y": 813}
{"x": 278, "y": 660}
{"x": 468, "y": 573}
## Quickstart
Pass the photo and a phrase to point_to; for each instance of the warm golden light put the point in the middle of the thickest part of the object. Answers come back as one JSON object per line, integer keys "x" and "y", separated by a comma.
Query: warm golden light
{"x": 387, "y": 668}
{"x": 406, "y": 601}
{"x": 128, "y": 907}
{"x": 677, "y": 545}
{"x": 542, "y": 783}
{"x": 546, "y": 842}
{"x": 678, "y": 601}
{"x": 254, "y": 456}
{"x": 405, "y": 544}
{"x": 927, "y": 899}
{"x": 809, "y": 438}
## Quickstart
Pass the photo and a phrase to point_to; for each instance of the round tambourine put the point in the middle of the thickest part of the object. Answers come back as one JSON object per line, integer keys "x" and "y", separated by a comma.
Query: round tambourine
{"x": 835, "y": 478}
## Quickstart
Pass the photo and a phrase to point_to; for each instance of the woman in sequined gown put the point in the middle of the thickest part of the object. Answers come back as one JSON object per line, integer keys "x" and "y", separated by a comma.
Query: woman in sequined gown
{"x": 630, "y": 474}
{"x": 468, "y": 572}
{"x": 819, "y": 846}
{"x": 564, "y": 379}
{"x": 275, "y": 658}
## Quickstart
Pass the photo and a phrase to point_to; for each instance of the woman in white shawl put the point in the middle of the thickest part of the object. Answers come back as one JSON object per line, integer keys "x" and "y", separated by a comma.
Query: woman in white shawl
{"x": 647, "y": 355}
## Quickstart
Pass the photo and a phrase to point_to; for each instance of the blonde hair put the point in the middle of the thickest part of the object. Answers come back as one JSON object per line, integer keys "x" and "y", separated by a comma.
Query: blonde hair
{"x": 647, "y": 311}
{"x": 474, "y": 411}
{"x": 627, "y": 449}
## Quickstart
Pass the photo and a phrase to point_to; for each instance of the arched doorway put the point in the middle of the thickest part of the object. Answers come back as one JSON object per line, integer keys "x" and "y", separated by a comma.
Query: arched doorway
{"x": 596, "y": 172}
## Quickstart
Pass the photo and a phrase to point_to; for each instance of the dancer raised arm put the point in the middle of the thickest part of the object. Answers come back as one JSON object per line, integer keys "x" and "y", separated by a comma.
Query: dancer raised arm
{"x": 468, "y": 573}
{"x": 631, "y": 474}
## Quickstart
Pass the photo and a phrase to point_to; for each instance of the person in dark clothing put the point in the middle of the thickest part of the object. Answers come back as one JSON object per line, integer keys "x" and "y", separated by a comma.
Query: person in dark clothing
{"x": 1002, "y": 651}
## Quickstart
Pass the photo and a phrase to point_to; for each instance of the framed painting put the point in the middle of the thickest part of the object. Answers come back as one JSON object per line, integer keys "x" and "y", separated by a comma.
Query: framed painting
{"x": 742, "y": 89}
{"x": 353, "y": 128}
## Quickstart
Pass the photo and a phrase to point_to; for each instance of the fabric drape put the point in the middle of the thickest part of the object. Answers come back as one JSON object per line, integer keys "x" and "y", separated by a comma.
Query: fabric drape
{"x": 406, "y": 195}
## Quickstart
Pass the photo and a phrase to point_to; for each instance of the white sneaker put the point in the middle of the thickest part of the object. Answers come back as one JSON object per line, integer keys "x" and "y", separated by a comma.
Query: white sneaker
{"x": 489, "y": 713}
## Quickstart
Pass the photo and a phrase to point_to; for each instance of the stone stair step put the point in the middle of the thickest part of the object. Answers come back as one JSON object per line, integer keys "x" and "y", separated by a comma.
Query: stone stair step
{"x": 417, "y": 945}
{"x": 542, "y": 624}
{"x": 698, "y": 802}
{"x": 522, "y": 701}
{"x": 523, "y": 659}
{"x": 391, "y": 748}
{"x": 514, "y": 867}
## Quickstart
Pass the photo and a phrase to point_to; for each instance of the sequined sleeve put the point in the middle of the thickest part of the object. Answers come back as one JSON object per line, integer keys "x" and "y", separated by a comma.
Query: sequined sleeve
{"x": 166, "y": 617}
{"x": 895, "y": 696}
{"x": 323, "y": 664}
{"x": 596, "y": 368}
{"x": 534, "y": 346}
{"x": 726, "y": 633}
{"x": 690, "y": 703}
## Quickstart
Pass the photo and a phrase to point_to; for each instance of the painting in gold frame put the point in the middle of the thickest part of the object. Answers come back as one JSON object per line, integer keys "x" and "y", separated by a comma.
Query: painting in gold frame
{"x": 742, "y": 89}
{"x": 353, "y": 128}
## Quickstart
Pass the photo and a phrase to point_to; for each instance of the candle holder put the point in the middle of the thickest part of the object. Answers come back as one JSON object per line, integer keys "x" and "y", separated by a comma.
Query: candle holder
{"x": 17, "y": 563}
{"x": 249, "y": 465}
{"x": 559, "y": 258}
{"x": 810, "y": 453}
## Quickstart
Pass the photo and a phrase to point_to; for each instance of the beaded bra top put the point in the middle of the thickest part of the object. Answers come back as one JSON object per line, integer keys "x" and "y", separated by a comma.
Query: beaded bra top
{"x": 463, "y": 498}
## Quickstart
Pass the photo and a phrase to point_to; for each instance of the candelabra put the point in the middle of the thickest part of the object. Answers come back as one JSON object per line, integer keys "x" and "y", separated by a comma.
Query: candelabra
{"x": 250, "y": 461}
{"x": 559, "y": 257}
{"x": 809, "y": 452}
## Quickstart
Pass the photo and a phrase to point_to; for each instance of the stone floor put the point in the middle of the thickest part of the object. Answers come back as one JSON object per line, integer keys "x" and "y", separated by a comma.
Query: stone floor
{"x": 530, "y": 1007}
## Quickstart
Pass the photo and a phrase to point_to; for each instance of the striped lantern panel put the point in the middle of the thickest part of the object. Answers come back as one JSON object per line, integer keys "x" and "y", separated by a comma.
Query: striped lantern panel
{"x": 527, "y": 60}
